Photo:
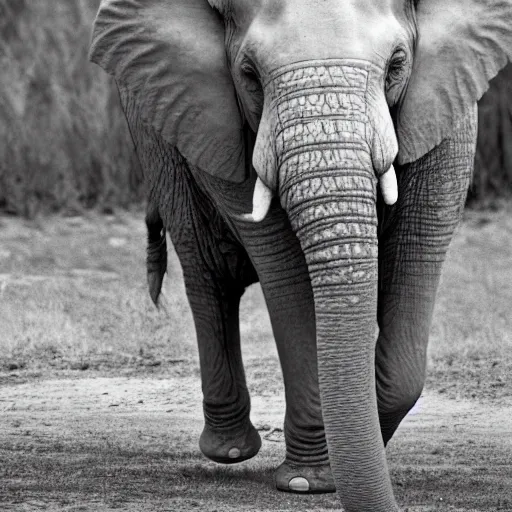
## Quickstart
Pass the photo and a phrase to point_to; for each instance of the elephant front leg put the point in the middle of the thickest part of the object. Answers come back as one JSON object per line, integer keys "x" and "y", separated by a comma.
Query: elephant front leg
{"x": 279, "y": 261}
{"x": 413, "y": 246}
{"x": 216, "y": 270}
{"x": 228, "y": 435}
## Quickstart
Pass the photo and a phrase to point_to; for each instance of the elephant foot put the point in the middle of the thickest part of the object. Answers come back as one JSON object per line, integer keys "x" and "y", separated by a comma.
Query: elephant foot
{"x": 230, "y": 446}
{"x": 303, "y": 479}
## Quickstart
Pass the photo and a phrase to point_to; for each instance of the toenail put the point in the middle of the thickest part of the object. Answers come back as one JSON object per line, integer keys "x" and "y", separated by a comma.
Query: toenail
{"x": 234, "y": 453}
{"x": 299, "y": 484}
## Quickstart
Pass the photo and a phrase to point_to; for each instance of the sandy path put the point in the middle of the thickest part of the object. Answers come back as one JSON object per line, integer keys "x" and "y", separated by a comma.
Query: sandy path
{"x": 131, "y": 443}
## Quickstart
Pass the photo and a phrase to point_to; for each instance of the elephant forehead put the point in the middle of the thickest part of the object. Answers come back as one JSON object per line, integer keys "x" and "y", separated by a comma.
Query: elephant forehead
{"x": 327, "y": 29}
{"x": 279, "y": 7}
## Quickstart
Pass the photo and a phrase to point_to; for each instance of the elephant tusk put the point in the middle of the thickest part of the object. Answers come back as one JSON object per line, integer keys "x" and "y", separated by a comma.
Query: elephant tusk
{"x": 260, "y": 202}
{"x": 389, "y": 186}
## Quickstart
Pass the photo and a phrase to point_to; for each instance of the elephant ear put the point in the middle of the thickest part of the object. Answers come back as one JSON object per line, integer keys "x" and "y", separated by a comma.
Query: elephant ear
{"x": 168, "y": 57}
{"x": 461, "y": 45}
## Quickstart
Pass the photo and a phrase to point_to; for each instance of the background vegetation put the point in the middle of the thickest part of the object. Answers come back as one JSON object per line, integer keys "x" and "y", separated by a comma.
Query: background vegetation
{"x": 493, "y": 164}
{"x": 64, "y": 144}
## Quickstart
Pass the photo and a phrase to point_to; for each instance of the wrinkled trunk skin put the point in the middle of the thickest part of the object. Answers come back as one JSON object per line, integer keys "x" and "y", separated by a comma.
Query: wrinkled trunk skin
{"x": 327, "y": 185}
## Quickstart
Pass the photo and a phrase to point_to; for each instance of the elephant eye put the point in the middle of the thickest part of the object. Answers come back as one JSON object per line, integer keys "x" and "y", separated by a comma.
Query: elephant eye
{"x": 251, "y": 92}
{"x": 396, "y": 76}
{"x": 249, "y": 72}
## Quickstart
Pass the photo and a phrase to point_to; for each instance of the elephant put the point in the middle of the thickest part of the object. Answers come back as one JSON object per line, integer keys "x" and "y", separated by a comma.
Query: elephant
{"x": 324, "y": 149}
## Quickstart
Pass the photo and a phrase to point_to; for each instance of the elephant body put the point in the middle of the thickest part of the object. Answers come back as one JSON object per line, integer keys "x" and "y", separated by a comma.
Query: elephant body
{"x": 299, "y": 112}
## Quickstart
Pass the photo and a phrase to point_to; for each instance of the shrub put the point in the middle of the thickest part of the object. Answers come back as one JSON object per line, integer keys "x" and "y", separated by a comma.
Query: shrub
{"x": 493, "y": 163}
{"x": 64, "y": 141}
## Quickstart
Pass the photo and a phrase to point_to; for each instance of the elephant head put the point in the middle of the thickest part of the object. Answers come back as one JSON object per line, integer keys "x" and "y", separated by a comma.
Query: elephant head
{"x": 336, "y": 92}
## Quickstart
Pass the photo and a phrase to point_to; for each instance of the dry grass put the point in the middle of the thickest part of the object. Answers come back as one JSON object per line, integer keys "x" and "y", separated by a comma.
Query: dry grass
{"x": 471, "y": 340}
{"x": 73, "y": 296}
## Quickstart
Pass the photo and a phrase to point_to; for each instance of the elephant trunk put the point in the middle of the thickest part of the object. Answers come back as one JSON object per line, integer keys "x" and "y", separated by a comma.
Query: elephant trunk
{"x": 327, "y": 185}
{"x": 335, "y": 220}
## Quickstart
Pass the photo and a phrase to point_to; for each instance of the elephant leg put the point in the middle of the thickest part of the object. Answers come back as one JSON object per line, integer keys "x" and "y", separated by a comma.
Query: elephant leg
{"x": 279, "y": 261}
{"x": 413, "y": 244}
{"x": 228, "y": 435}
{"x": 216, "y": 270}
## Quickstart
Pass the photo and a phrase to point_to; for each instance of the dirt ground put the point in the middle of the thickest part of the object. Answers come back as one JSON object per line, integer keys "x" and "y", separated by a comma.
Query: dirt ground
{"x": 98, "y": 444}
{"x": 100, "y": 400}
